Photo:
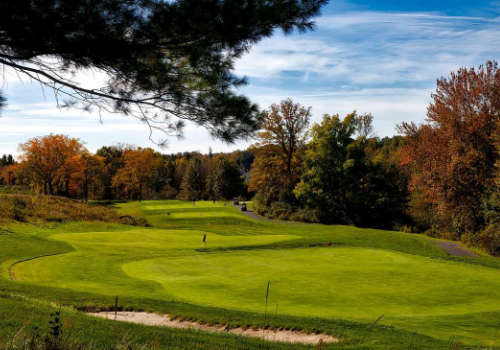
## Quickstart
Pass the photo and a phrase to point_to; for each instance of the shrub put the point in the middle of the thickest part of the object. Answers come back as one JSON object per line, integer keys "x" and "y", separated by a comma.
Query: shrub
{"x": 490, "y": 240}
{"x": 306, "y": 215}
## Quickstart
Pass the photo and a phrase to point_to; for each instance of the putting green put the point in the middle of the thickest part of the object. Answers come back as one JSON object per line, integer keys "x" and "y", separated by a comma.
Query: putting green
{"x": 326, "y": 282}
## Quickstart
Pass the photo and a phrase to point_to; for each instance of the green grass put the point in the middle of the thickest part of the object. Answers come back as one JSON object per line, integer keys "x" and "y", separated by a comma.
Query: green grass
{"x": 336, "y": 279}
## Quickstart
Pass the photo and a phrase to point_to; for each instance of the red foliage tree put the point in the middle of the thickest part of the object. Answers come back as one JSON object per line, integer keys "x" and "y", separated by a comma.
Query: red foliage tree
{"x": 452, "y": 157}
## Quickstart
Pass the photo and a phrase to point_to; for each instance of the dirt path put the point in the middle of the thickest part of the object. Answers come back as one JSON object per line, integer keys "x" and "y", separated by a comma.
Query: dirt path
{"x": 456, "y": 250}
{"x": 266, "y": 334}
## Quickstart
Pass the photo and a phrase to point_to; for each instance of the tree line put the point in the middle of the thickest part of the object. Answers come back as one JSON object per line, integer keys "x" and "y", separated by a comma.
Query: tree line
{"x": 441, "y": 177}
{"x": 60, "y": 165}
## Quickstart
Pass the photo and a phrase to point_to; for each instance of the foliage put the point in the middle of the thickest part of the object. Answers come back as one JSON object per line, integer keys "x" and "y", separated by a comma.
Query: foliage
{"x": 86, "y": 175}
{"x": 135, "y": 178}
{"x": 45, "y": 161}
{"x": 342, "y": 183}
{"x": 165, "y": 61}
{"x": 193, "y": 183}
{"x": 285, "y": 126}
{"x": 268, "y": 177}
{"x": 224, "y": 180}
{"x": 452, "y": 157}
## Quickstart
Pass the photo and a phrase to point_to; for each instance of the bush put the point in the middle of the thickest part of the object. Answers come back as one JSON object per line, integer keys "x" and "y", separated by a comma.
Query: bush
{"x": 489, "y": 240}
{"x": 306, "y": 215}
{"x": 280, "y": 210}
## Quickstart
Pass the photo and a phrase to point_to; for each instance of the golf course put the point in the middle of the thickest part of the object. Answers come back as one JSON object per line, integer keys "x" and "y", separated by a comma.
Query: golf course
{"x": 208, "y": 262}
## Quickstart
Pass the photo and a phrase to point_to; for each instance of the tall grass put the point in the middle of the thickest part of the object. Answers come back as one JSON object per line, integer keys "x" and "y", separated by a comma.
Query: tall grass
{"x": 35, "y": 208}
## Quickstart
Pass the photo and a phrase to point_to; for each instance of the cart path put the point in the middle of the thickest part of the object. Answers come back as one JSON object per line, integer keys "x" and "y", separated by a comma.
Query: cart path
{"x": 456, "y": 249}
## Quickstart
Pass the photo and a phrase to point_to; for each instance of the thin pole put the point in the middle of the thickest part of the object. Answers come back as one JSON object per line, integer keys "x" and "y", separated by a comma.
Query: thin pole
{"x": 267, "y": 298}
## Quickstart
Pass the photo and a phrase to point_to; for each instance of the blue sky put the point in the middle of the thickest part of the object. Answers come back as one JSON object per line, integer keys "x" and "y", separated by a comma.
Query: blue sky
{"x": 381, "y": 57}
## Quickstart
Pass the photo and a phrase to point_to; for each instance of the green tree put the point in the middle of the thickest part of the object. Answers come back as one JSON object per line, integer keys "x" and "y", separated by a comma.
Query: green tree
{"x": 166, "y": 61}
{"x": 225, "y": 180}
{"x": 322, "y": 185}
{"x": 341, "y": 181}
{"x": 193, "y": 183}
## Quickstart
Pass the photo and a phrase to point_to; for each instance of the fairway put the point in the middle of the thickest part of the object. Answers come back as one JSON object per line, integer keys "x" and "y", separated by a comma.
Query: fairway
{"x": 315, "y": 271}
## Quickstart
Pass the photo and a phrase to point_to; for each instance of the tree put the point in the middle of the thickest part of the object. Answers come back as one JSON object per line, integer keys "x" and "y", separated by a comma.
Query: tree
{"x": 490, "y": 237}
{"x": 225, "y": 181}
{"x": 285, "y": 126}
{"x": 452, "y": 156}
{"x": 342, "y": 182}
{"x": 193, "y": 183}
{"x": 6, "y": 160}
{"x": 322, "y": 185}
{"x": 87, "y": 173}
{"x": 165, "y": 61}
{"x": 133, "y": 181}
{"x": 45, "y": 162}
{"x": 113, "y": 160}
{"x": 9, "y": 174}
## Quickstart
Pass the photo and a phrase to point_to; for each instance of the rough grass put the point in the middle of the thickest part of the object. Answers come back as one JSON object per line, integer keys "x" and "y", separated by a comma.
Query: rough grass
{"x": 333, "y": 279}
{"x": 41, "y": 208}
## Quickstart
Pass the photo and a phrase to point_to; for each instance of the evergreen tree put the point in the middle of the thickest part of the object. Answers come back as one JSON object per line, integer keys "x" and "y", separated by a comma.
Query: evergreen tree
{"x": 167, "y": 61}
{"x": 193, "y": 183}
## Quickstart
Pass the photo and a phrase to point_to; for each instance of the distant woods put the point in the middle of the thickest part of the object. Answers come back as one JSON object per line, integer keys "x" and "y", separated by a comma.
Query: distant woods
{"x": 60, "y": 165}
{"x": 441, "y": 177}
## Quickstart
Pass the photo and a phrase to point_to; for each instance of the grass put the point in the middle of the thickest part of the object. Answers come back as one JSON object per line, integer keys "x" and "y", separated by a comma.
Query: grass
{"x": 335, "y": 279}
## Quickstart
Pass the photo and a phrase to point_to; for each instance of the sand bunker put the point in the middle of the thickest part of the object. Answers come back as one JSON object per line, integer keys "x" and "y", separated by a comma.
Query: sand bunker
{"x": 151, "y": 319}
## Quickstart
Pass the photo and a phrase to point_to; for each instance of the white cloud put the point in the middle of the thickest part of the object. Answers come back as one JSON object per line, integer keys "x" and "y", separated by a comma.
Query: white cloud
{"x": 378, "y": 47}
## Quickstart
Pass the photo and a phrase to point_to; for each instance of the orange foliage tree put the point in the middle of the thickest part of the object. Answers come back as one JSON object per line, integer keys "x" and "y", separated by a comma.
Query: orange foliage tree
{"x": 10, "y": 174}
{"x": 268, "y": 175}
{"x": 87, "y": 171}
{"x": 452, "y": 157}
{"x": 134, "y": 179}
{"x": 45, "y": 162}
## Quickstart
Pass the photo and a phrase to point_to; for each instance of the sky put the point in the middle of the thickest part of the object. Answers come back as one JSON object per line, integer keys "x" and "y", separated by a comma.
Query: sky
{"x": 374, "y": 56}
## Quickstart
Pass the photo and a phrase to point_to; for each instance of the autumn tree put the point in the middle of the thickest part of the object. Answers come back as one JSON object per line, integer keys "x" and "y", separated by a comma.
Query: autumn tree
{"x": 133, "y": 180}
{"x": 10, "y": 174}
{"x": 87, "y": 172}
{"x": 268, "y": 178}
{"x": 112, "y": 157}
{"x": 45, "y": 162}
{"x": 285, "y": 126}
{"x": 453, "y": 155}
